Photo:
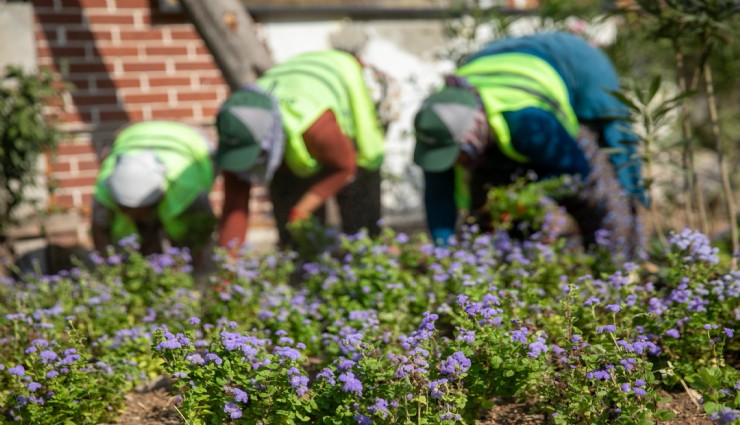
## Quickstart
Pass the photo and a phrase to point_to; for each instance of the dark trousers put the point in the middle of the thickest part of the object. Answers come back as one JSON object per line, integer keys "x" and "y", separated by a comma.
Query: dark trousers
{"x": 359, "y": 201}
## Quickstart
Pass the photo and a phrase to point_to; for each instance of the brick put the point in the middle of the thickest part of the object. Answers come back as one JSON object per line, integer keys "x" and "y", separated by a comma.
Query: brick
{"x": 116, "y": 51}
{"x": 69, "y": 117}
{"x": 87, "y": 35}
{"x": 89, "y": 68}
{"x": 103, "y": 4}
{"x": 185, "y": 33}
{"x": 201, "y": 49}
{"x": 61, "y": 167}
{"x": 72, "y": 182}
{"x": 133, "y": 4}
{"x": 68, "y": 149}
{"x": 83, "y": 99}
{"x": 65, "y": 52}
{"x": 64, "y": 201}
{"x": 65, "y": 17}
{"x": 210, "y": 111}
{"x": 145, "y": 98}
{"x": 87, "y": 165}
{"x": 144, "y": 67}
{"x": 197, "y": 96}
{"x": 212, "y": 80}
{"x": 141, "y": 35}
{"x": 195, "y": 66}
{"x": 172, "y": 113}
{"x": 169, "y": 81}
{"x": 165, "y": 51}
{"x": 110, "y": 19}
{"x": 117, "y": 115}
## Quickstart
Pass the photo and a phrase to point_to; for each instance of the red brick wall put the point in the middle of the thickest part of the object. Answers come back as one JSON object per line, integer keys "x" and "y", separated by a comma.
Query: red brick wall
{"x": 127, "y": 62}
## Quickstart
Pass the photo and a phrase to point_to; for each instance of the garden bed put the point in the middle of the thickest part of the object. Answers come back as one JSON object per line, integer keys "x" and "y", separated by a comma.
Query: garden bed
{"x": 386, "y": 330}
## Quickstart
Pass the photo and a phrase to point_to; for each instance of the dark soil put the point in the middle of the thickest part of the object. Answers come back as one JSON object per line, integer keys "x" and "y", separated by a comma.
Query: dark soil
{"x": 157, "y": 407}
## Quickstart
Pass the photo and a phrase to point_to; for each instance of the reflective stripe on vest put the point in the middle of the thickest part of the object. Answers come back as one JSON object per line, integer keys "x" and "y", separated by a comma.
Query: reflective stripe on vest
{"x": 309, "y": 84}
{"x": 514, "y": 81}
{"x": 189, "y": 171}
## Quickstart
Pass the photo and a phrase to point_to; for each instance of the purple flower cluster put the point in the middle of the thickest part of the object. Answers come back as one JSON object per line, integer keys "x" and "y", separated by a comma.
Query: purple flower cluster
{"x": 694, "y": 246}
{"x": 455, "y": 365}
{"x": 350, "y": 384}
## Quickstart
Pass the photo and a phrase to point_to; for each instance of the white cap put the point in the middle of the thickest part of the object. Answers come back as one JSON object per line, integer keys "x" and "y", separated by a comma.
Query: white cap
{"x": 137, "y": 180}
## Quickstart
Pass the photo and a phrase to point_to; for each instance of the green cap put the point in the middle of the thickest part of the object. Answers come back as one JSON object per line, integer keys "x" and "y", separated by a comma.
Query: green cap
{"x": 243, "y": 121}
{"x": 441, "y": 123}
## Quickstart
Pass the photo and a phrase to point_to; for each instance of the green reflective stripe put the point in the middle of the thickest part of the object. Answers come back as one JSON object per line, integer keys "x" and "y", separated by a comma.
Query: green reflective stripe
{"x": 514, "y": 81}
{"x": 503, "y": 135}
{"x": 462, "y": 196}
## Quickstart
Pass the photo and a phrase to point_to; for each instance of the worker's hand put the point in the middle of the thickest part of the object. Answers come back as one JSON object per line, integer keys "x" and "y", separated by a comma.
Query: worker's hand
{"x": 297, "y": 214}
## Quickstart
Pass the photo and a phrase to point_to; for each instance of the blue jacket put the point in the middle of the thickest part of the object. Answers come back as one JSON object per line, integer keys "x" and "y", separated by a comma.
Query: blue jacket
{"x": 538, "y": 134}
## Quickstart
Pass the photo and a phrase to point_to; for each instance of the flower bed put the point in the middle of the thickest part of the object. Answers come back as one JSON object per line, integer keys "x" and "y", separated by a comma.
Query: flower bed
{"x": 391, "y": 330}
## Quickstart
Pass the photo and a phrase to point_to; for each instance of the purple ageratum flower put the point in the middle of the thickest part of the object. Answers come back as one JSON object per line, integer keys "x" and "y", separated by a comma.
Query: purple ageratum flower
{"x": 18, "y": 370}
{"x": 194, "y": 321}
{"x": 520, "y": 335}
{"x": 434, "y": 388}
{"x": 575, "y": 339}
{"x": 729, "y": 332}
{"x": 47, "y": 356}
{"x": 52, "y": 374}
{"x": 725, "y": 416}
{"x": 299, "y": 383}
{"x": 214, "y": 358}
{"x": 379, "y": 408}
{"x": 466, "y": 335}
{"x": 591, "y": 301}
{"x": 628, "y": 364}
{"x": 614, "y": 308}
{"x": 626, "y": 387}
{"x": 598, "y": 374}
{"x": 673, "y": 333}
{"x": 607, "y": 328}
{"x": 449, "y": 416}
{"x": 181, "y": 375}
{"x": 710, "y": 326}
{"x": 536, "y": 348}
{"x": 240, "y": 395}
{"x": 695, "y": 247}
{"x": 33, "y": 386}
{"x": 233, "y": 410}
{"x": 455, "y": 365}
{"x": 639, "y": 392}
{"x": 195, "y": 359}
{"x": 345, "y": 364}
{"x": 640, "y": 382}
{"x": 351, "y": 384}
{"x": 327, "y": 375}
{"x": 362, "y": 420}
{"x": 287, "y": 353}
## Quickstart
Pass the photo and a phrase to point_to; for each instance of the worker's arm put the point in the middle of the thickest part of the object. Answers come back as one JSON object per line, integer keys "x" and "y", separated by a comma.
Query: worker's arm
{"x": 538, "y": 135}
{"x": 334, "y": 151}
{"x": 439, "y": 200}
{"x": 235, "y": 212}
{"x": 102, "y": 223}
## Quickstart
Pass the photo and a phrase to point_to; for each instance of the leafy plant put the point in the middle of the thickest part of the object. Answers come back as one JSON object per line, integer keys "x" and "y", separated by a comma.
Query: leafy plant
{"x": 26, "y": 131}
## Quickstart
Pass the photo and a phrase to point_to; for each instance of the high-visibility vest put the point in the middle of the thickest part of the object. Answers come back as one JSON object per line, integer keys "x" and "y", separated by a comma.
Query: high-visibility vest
{"x": 511, "y": 82}
{"x": 309, "y": 84}
{"x": 514, "y": 81}
{"x": 189, "y": 171}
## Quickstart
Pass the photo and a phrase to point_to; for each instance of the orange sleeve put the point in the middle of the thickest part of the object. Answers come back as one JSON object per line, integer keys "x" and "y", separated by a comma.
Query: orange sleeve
{"x": 235, "y": 212}
{"x": 335, "y": 151}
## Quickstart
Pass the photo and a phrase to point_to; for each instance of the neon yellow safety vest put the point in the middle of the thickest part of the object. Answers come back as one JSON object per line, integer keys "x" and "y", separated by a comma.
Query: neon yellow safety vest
{"x": 511, "y": 82}
{"x": 514, "y": 81}
{"x": 189, "y": 171}
{"x": 309, "y": 84}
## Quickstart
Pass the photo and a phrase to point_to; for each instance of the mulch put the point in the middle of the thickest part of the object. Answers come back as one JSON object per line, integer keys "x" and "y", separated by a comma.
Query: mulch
{"x": 157, "y": 407}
